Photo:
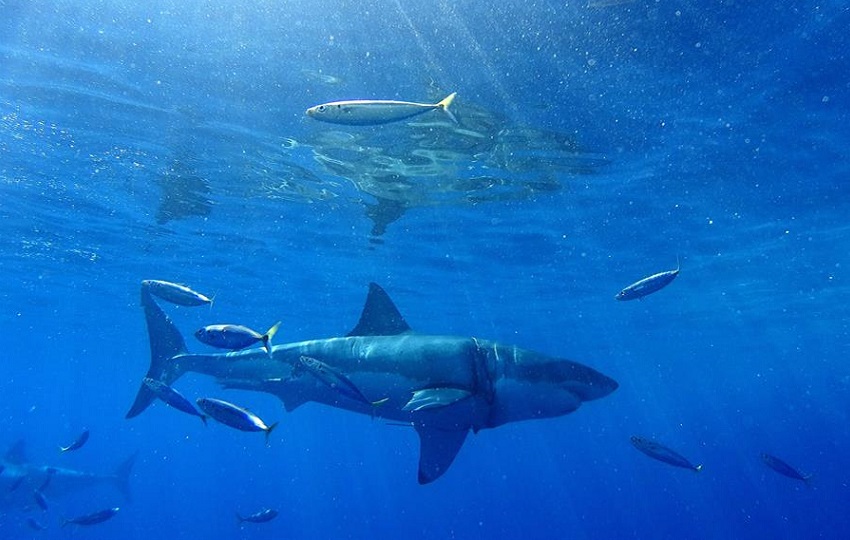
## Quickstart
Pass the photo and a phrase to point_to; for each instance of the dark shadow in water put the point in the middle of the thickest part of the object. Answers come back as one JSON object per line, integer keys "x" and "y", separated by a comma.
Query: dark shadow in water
{"x": 184, "y": 194}
{"x": 383, "y": 213}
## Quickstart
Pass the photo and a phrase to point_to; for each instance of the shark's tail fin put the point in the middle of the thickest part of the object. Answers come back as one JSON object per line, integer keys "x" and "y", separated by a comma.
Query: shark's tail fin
{"x": 166, "y": 343}
{"x": 121, "y": 477}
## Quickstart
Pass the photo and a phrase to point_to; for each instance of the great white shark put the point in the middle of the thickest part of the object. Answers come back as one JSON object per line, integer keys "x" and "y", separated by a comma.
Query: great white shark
{"x": 20, "y": 479}
{"x": 443, "y": 386}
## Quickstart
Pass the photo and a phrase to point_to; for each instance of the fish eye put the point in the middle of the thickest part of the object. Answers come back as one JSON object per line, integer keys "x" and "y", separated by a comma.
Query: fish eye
{"x": 320, "y": 108}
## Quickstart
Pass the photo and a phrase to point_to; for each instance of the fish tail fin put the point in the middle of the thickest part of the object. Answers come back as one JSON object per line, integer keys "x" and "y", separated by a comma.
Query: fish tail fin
{"x": 445, "y": 104}
{"x": 204, "y": 419}
{"x": 807, "y": 479}
{"x": 166, "y": 342}
{"x": 121, "y": 477}
{"x": 269, "y": 431}
{"x": 239, "y": 519}
{"x": 267, "y": 337}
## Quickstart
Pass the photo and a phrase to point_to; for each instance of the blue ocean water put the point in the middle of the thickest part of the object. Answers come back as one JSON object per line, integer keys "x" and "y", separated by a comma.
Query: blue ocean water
{"x": 597, "y": 144}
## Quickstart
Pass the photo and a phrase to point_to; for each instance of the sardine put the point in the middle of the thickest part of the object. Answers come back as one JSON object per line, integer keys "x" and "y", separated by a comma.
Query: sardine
{"x": 234, "y": 416}
{"x": 175, "y": 293}
{"x": 173, "y": 397}
{"x": 371, "y": 112}
{"x": 648, "y": 285}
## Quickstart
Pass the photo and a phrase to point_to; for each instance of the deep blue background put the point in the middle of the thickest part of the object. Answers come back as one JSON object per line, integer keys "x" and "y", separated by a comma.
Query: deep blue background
{"x": 724, "y": 129}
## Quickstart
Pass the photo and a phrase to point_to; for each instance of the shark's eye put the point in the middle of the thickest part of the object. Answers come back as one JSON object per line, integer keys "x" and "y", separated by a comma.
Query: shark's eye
{"x": 321, "y": 108}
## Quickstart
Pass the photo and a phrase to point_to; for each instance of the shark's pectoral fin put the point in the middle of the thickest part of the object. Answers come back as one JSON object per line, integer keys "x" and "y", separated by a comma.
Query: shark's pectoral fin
{"x": 430, "y": 398}
{"x": 437, "y": 451}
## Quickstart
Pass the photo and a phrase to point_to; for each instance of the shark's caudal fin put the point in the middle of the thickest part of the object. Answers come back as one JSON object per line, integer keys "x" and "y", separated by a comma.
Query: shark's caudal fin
{"x": 166, "y": 342}
{"x": 437, "y": 451}
{"x": 380, "y": 317}
{"x": 121, "y": 477}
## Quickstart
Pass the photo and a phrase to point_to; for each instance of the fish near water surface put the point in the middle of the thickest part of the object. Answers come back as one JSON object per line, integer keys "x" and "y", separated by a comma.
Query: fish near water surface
{"x": 371, "y": 112}
{"x": 663, "y": 454}
{"x": 175, "y": 293}
{"x": 648, "y": 285}
{"x": 460, "y": 384}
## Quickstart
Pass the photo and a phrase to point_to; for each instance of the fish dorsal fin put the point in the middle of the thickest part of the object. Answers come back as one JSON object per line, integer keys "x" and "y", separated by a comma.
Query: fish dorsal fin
{"x": 380, "y": 317}
{"x": 437, "y": 451}
{"x": 17, "y": 453}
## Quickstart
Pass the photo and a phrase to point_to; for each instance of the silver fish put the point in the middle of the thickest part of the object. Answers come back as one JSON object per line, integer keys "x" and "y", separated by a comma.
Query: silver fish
{"x": 662, "y": 453}
{"x": 336, "y": 380}
{"x": 173, "y": 397}
{"x": 234, "y": 416}
{"x": 76, "y": 445}
{"x": 372, "y": 112}
{"x": 785, "y": 469}
{"x": 264, "y": 515}
{"x": 92, "y": 519}
{"x": 648, "y": 285}
{"x": 235, "y": 337}
{"x": 175, "y": 293}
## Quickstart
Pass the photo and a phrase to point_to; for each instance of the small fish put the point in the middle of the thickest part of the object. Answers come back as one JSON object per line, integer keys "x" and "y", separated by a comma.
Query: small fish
{"x": 648, "y": 285}
{"x": 175, "y": 293}
{"x": 92, "y": 519}
{"x": 234, "y": 416}
{"x": 40, "y": 500}
{"x": 173, "y": 397}
{"x": 235, "y": 337}
{"x": 431, "y": 398}
{"x": 76, "y": 445}
{"x": 35, "y": 525}
{"x": 372, "y": 112}
{"x": 264, "y": 515}
{"x": 48, "y": 477}
{"x": 784, "y": 469}
{"x": 662, "y": 453}
{"x": 336, "y": 380}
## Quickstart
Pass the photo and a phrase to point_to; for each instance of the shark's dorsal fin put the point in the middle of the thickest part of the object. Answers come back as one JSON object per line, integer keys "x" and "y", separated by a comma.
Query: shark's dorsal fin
{"x": 380, "y": 317}
{"x": 17, "y": 453}
{"x": 437, "y": 451}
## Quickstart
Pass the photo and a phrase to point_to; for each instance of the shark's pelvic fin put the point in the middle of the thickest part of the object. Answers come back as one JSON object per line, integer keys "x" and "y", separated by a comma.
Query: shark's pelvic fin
{"x": 380, "y": 317}
{"x": 430, "y": 398}
{"x": 437, "y": 451}
{"x": 166, "y": 342}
